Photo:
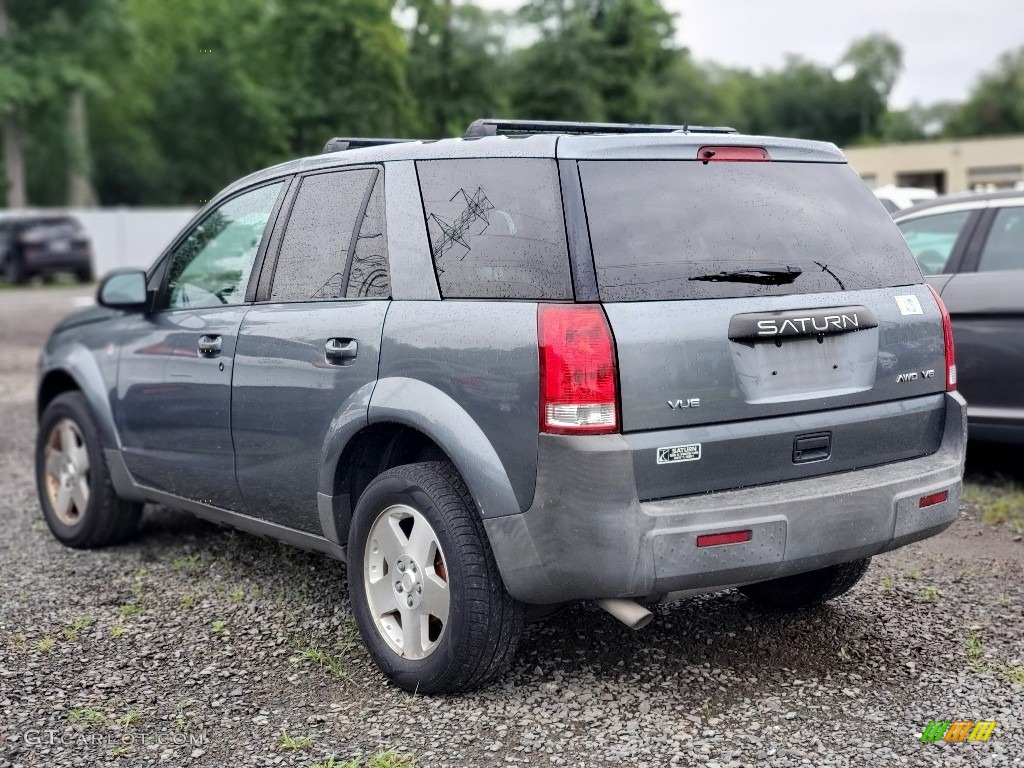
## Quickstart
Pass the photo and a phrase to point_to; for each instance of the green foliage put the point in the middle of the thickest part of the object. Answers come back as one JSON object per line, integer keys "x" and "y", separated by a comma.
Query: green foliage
{"x": 996, "y": 106}
{"x": 184, "y": 97}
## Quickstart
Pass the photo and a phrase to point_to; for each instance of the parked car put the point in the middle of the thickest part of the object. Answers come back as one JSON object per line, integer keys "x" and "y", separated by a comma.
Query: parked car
{"x": 895, "y": 198}
{"x": 971, "y": 248}
{"x": 43, "y": 244}
{"x": 541, "y": 364}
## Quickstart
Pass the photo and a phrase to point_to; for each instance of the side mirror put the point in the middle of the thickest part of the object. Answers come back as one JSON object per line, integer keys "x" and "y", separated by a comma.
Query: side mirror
{"x": 124, "y": 289}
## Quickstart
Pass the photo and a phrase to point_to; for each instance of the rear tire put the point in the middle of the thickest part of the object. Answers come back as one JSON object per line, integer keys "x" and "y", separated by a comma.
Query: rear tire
{"x": 75, "y": 491}
{"x": 84, "y": 275}
{"x": 14, "y": 271}
{"x": 806, "y": 590}
{"x": 426, "y": 593}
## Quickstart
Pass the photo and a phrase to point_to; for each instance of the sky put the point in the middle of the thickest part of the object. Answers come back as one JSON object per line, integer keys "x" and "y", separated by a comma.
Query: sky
{"x": 946, "y": 43}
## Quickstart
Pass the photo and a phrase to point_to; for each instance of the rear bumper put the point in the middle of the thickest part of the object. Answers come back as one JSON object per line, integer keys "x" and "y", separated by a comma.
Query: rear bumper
{"x": 587, "y": 535}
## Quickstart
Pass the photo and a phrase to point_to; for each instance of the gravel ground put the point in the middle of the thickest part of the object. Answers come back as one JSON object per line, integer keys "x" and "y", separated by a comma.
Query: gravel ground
{"x": 197, "y": 646}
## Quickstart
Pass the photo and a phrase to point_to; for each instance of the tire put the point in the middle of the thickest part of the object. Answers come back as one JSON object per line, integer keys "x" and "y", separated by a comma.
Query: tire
{"x": 477, "y": 639}
{"x": 14, "y": 271}
{"x": 806, "y": 590}
{"x": 67, "y": 438}
{"x": 84, "y": 275}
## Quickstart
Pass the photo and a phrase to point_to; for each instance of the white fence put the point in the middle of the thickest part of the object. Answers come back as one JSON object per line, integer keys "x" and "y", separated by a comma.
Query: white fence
{"x": 130, "y": 237}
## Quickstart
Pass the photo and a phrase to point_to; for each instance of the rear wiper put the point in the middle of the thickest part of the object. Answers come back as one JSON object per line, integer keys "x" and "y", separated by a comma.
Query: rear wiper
{"x": 767, "y": 275}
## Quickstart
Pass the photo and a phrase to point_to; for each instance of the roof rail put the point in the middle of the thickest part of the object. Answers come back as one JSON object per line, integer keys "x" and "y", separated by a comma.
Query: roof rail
{"x": 341, "y": 143}
{"x": 488, "y": 127}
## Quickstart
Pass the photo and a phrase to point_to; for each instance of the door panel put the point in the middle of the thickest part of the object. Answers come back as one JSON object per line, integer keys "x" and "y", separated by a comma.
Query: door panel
{"x": 174, "y": 403}
{"x": 174, "y": 372}
{"x": 287, "y": 391}
{"x": 305, "y": 357}
{"x": 987, "y": 309}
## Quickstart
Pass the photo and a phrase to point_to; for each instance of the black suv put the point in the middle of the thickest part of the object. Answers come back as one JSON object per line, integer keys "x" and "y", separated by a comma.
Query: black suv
{"x": 43, "y": 244}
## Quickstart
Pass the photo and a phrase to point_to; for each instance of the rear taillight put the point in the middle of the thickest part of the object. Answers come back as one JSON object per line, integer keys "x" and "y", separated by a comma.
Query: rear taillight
{"x": 578, "y": 380}
{"x": 947, "y": 337}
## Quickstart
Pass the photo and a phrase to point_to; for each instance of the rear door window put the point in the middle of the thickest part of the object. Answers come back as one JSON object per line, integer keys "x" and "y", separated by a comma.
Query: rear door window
{"x": 496, "y": 228}
{"x": 334, "y": 244}
{"x": 664, "y": 229}
{"x": 933, "y": 238}
{"x": 1004, "y": 248}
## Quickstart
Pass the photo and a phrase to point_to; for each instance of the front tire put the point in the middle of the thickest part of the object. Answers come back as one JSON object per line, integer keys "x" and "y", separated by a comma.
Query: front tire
{"x": 806, "y": 590}
{"x": 75, "y": 491}
{"x": 426, "y": 592}
{"x": 14, "y": 271}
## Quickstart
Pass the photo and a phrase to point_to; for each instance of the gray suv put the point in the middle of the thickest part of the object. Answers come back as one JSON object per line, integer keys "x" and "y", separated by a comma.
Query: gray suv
{"x": 538, "y": 364}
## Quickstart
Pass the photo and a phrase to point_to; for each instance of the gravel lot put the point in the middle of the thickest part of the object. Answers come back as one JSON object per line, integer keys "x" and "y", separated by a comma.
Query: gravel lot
{"x": 197, "y": 646}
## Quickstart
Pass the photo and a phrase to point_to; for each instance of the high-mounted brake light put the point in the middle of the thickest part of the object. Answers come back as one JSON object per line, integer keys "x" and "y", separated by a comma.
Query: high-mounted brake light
{"x": 947, "y": 338}
{"x": 733, "y": 154}
{"x": 578, "y": 377}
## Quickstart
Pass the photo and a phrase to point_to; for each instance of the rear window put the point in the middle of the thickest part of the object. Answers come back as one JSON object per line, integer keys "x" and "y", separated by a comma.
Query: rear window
{"x": 496, "y": 228}
{"x": 49, "y": 228}
{"x": 665, "y": 230}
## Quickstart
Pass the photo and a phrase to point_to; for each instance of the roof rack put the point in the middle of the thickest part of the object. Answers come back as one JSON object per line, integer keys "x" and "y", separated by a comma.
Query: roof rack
{"x": 341, "y": 143}
{"x": 488, "y": 127}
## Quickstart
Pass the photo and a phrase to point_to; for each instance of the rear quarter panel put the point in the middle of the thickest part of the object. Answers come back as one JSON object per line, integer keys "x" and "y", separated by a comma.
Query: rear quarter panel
{"x": 482, "y": 355}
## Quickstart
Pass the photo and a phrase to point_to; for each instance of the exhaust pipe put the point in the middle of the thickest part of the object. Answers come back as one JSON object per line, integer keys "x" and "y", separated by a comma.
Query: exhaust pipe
{"x": 629, "y": 612}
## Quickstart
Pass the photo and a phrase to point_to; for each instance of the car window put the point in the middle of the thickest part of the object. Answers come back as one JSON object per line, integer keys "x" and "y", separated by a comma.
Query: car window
{"x": 496, "y": 228}
{"x": 681, "y": 229}
{"x": 932, "y": 238}
{"x": 211, "y": 266}
{"x": 368, "y": 273}
{"x": 314, "y": 254}
{"x": 1004, "y": 248}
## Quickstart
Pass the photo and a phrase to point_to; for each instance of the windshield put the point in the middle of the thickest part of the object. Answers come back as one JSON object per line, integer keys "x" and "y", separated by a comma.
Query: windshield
{"x": 671, "y": 229}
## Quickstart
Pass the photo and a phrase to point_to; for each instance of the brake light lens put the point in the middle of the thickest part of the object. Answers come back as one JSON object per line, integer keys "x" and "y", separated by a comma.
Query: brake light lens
{"x": 733, "y": 154}
{"x": 947, "y": 337}
{"x": 932, "y": 499}
{"x": 578, "y": 377}
{"x": 718, "y": 539}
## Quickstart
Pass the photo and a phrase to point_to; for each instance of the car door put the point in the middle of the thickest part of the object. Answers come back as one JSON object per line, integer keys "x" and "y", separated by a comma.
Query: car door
{"x": 174, "y": 371}
{"x": 308, "y": 352}
{"x": 986, "y": 303}
{"x": 938, "y": 237}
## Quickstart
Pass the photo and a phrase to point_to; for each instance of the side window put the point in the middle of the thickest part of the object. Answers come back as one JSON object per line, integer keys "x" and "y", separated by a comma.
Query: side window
{"x": 932, "y": 238}
{"x": 496, "y": 228}
{"x": 314, "y": 260}
{"x": 368, "y": 274}
{"x": 211, "y": 267}
{"x": 1004, "y": 248}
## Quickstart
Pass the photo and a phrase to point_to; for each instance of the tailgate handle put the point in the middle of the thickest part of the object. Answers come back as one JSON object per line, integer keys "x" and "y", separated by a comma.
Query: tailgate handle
{"x": 816, "y": 447}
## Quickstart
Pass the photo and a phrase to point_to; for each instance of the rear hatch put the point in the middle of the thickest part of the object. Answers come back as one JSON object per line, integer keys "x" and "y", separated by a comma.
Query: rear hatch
{"x": 770, "y": 321}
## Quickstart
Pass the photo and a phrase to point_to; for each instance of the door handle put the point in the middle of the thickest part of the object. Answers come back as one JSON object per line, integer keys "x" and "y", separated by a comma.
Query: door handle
{"x": 210, "y": 346}
{"x": 341, "y": 351}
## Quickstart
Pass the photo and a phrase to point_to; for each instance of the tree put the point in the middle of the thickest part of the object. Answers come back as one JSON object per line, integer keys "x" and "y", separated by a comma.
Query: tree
{"x": 873, "y": 64}
{"x": 996, "y": 104}
{"x": 455, "y": 60}
{"x": 595, "y": 59}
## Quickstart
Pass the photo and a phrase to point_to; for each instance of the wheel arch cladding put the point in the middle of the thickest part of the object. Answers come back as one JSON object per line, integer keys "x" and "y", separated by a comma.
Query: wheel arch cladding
{"x": 442, "y": 420}
{"x": 80, "y": 372}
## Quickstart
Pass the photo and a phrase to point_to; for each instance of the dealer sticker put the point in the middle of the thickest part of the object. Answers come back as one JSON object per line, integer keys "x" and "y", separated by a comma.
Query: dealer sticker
{"x": 909, "y": 305}
{"x": 676, "y": 453}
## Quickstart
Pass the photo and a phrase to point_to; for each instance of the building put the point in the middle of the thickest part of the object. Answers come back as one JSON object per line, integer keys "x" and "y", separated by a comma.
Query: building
{"x": 962, "y": 165}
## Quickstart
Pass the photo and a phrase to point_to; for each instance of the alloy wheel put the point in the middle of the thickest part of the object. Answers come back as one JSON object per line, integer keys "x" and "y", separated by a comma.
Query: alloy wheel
{"x": 406, "y": 579}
